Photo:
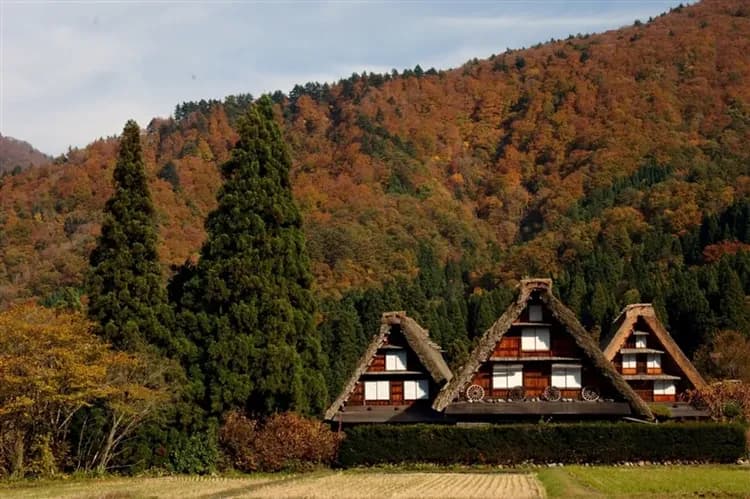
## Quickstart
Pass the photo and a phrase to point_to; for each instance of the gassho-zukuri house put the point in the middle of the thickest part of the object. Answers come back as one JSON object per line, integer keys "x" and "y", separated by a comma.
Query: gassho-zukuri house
{"x": 537, "y": 360}
{"x": 646, "y": 355}
{"x": 396, "y": 379}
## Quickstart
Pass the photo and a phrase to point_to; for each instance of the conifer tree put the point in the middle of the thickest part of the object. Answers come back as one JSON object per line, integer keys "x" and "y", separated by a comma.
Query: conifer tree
{"x": 248, "y": 307}
{"x": 127, "y": 299}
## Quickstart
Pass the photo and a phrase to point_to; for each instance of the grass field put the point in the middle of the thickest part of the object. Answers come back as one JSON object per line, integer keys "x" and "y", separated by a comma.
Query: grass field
{"x": 568, "y": 481}
{"x": 648, "y": 481}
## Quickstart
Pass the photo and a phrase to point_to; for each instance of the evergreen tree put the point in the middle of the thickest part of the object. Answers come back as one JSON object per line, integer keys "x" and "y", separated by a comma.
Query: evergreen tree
{"x": 248, "y": 307}
{"x": 733, "y": 309}
{"x": 127, "y": 299}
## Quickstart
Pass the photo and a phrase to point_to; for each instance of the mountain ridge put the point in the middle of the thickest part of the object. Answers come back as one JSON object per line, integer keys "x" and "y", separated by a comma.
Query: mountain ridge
{"x": 17, "y": 155}
{"x": 520, "y": 164}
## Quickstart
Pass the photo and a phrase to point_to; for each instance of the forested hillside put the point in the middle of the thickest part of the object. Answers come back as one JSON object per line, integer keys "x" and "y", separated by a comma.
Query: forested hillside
{"x": 616, "y": 163}
{"x": 17, "y": 155}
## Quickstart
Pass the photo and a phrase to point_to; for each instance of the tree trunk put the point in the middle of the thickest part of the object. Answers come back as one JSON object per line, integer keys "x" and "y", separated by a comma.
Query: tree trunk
{"x": 108, "y": 444}
{"x": 19, "y": 447}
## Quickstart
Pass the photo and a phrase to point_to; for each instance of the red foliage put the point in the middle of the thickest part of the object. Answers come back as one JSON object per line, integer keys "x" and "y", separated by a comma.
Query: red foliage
{"x": 714, "y": 252}
{"x": 283, "y": 441}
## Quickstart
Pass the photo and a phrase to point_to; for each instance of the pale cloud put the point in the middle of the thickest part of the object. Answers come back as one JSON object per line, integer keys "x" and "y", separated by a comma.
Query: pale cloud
{"x": 75, "y": 71}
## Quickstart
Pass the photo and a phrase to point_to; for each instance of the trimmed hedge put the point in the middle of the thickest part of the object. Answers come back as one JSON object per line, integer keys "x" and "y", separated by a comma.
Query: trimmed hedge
{"x": 543, "y": 443}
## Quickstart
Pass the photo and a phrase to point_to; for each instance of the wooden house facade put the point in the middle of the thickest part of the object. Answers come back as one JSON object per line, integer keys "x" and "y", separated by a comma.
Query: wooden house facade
{"x": 643, "y": 351}
{"x": 397, "y": 378}
{"x": 537, "y": 360}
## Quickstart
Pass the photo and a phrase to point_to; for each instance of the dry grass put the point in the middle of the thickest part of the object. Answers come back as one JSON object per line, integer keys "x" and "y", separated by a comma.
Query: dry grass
{"x": 316, "y": 485}
{"x": 407, "y": 485}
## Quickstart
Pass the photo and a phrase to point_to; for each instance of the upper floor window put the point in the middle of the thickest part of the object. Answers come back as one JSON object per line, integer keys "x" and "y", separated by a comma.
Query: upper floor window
{"x": 654, "y": 361}
{"x": 640, "y": 340}
{"x": 395, "y": 361}
{"x": 535, "y": 339}
{"x": 535, "y": 313}
{"x": 628, "y": 361}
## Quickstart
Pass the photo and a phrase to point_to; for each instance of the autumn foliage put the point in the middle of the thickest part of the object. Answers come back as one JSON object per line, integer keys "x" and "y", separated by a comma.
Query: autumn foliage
{"x": 285, "y": 441}
{"x": 515, "y": 159}
{"x": 51, "y": 367}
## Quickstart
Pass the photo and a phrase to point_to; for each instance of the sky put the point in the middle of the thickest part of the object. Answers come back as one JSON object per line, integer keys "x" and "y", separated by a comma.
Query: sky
{"x": 75, "y": 71}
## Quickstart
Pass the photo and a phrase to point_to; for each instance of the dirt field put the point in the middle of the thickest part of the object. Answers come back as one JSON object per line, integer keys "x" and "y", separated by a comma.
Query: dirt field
{"x": 316, "y": 485}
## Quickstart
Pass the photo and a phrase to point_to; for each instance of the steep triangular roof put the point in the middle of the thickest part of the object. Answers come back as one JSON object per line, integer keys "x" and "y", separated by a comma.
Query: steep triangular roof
{"x": 567, "y": 318}
{"x": 623, "y": 326}
{"x": 428, "y": 352}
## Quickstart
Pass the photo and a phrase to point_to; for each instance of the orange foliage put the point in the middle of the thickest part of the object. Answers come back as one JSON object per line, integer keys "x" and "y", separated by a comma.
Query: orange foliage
{"x": 459, "y": 158}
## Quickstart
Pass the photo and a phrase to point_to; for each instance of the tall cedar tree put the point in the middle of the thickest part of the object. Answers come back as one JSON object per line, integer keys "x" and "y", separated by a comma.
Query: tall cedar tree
{"x": 127, "y": 299}
{"x": 247, "y": 306}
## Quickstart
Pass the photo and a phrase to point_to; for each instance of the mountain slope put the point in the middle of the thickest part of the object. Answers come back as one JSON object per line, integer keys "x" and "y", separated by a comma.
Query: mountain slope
{"x": 520, "y": 164}
{"x": 17, "y": 155}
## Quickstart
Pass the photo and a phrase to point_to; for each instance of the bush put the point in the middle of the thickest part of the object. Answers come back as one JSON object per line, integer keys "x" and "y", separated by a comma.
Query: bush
{"x": 194, "y": 454}
{"x": 565, "y": 443}
{"x": 661, "y": 411}
{"x": 237, "y": 438}
{"x": 284, "y": 441}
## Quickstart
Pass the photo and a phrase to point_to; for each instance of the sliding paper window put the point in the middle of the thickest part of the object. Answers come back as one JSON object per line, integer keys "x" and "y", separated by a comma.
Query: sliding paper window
{"x": 416, "y": 389}
{"x": 377, "y": 390}
{"x": 507, "y": 376}
{"x": 566, "y": 376}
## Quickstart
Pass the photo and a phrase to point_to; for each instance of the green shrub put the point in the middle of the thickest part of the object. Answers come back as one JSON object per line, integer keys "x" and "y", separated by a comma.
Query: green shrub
{"x": 661, "y": 411}
{"x": 195, "y": 454}
{"x": 564, "y": 443}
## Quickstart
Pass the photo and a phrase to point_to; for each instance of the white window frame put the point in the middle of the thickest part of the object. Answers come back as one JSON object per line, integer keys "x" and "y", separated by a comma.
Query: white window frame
{"x": 395, "y": 361}
{"x": 665, "y": 387}
{"x": 536, "y": 314}
{"x": 566, "y": 376}
{"x": 416, "y": 389}
{"x": 629, "y": 361}
{"x": 640, "y": 341}
{"x": 377, "y": 390}
{"x": 653, "y": 361}
{"x": 535, "y": 339}
{"x": 507, "y": 376}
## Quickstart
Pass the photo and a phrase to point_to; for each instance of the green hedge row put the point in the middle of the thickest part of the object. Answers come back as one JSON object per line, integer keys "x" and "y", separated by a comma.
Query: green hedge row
{"x": 543, "y": 443}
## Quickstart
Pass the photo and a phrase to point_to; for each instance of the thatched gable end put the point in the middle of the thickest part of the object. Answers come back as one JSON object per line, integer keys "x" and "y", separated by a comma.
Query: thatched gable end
{"x": 542, "y": 289}
{"x": 623, "y": 327}
{"x": 418, "y": 339}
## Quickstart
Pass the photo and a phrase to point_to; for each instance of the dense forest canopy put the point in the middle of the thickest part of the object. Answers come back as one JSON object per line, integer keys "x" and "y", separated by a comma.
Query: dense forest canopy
{"x": 615, "y": 163}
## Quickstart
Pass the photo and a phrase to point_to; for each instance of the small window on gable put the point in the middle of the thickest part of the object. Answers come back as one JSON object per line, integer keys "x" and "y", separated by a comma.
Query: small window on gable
{"x": 640, "y": 341}
{"x": 377, "y": 390}
{"x": 535, "y": 339}
{"x": 416, "y": 389}
{"x": 505, "y": 377}
{"x": 395, "y": 361}
{"x": 628, "y": 361}
{"x": 567, "y": 376}
{"x": 535, "y": 313}
{"x": 664, "y": 387}
{"x": 654, "y": 361}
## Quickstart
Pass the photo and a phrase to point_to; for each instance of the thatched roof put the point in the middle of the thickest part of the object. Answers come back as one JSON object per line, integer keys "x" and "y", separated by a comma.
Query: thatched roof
{"x": 624, "y": 325}
{"x": 428, "y": 352}
{"x": 542, "y": 287}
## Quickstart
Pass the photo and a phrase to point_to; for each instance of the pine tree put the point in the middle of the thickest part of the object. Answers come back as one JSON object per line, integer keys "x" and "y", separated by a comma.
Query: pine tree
{"x": 127, "y": 299}
{"x": 248, "y": 307}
